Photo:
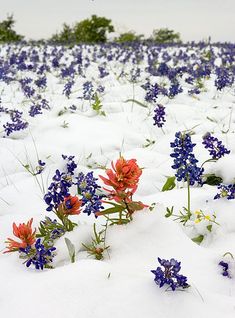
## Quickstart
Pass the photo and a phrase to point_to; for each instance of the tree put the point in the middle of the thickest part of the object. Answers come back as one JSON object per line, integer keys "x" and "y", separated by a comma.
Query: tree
{"x": 93, "y": 30}
{"x": 165, "y": 36}
{"x": 129, "y": 37}
{"x": 65, "y": 36}
{"x": 7, "y": 34}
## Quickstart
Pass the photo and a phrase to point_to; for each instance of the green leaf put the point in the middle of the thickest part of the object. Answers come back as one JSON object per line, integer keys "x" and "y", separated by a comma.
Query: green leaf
{"x": 169, "y": 212}
{"x": 117, "y": 208}
{"x": 135, "y": 206}
{"x": 213, "y": 180}
{"x": 97, "y": 106}
{"x": 169, "y": 184}
{"x": 198, "y": 239}
{"x": 209, "y": 227}
{"x": 71, "y": 249}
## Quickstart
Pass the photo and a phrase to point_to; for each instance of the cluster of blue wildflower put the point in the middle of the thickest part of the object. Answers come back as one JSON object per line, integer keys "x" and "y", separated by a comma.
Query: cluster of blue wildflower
{"x": 17, "y": 123}
{"x": 225, "y": 269}
{"x": 38, "y": 105}
{"x": 225, "y": 191}
{"x": 62, "y": 182}
{"x": 215, "y": 146}
{"x": 185, "y": 162}
{"x": 57, "y": 190}
{"x": 225, "y": 78}
{"x": 159, "y": 116}
{"x": 87, "y": 188}
{"x": 103, "y": 71}
{"x": 68, "y": 88}
{"x": 169, "y": 275}
{"x": 40, "y": 167}
{"x": 88, "y": 90}
{"x": 39, "y": 255}
{"x": 29, "y": 67}
{"x": 70, "y": 165}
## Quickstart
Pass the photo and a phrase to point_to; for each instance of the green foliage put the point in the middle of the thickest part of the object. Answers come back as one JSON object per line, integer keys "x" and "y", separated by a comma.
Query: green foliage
{"x": 198, "y": 239}
{"x": 97, "y": 106}
{"x": 93, "y": 30}
{"x": 129, "y": 37}
{"x": 165, "y": 35}
{"x": 97, "y": 246}
{"x": 71, "y": 249}
{"x": 148, "y": 143}
{"x": 169, "y": 184}
{"x": 183, "y": 217}
{"x": 212, "y": 179}
{"x": 65, "y": 36}
{"x": 7, "y": 34}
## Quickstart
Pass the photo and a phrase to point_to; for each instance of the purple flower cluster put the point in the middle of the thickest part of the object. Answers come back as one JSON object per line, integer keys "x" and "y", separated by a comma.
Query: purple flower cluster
{"x": 159, "y": 117}
{"x": 87, "y": 187}
{"x": 169, "y": 275}
{"x": 185, "y": 162}
{"x": 226, "y": 191}
{"x": 215, "y": 146}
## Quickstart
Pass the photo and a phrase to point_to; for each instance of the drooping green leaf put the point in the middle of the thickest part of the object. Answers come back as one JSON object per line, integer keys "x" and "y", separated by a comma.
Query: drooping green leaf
{"x": 198, "y": 239}
{"x": 213, "y": 180}
{"x": 209, "y": 227}
{"x": 169, "y": 184}
{"x": 71, "y": 249}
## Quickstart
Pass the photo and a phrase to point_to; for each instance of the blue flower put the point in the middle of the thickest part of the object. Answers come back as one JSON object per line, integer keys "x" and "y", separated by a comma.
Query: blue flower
{"x": 168, "y": 274}
{"x": 185, "y": 162}
{"x": 159, "y": 117}
{"x": 88, "y": 187}
{"x": 215, "y": 146}
{"x": 40, "y": 256}
{"x": 225, "y": 268}
{"x": 68, "y": 88}
{"x": 226, "y": 191}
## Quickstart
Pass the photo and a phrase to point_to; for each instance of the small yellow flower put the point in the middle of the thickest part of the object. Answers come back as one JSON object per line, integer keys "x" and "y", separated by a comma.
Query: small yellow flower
{"x": 207, "y": 217}
{"x": 197, "y": 221}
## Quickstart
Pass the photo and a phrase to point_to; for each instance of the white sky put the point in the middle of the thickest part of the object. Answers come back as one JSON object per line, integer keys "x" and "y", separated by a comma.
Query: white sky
{"x": 194, "y": 19}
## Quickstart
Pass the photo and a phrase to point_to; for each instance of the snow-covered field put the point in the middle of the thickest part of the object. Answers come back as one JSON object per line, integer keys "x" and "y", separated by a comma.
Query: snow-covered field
{"x": 59, "y": 121}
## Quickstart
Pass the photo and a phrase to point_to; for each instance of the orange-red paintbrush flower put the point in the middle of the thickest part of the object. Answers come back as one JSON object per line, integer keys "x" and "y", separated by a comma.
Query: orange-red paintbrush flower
{"x": 125, "y": 175}
{"x": 25, "y": 233}
{"x": 71, "y": 205}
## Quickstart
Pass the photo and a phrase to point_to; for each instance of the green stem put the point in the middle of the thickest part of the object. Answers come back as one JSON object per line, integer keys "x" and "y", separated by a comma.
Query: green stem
{"x": 120, "y": 217}
{"x": 209, "y": 160}
{"x": 189, "y": 207}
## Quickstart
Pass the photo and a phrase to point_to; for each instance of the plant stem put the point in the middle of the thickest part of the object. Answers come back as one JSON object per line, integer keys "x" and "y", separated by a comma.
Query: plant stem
{"x": 189, "y": 207}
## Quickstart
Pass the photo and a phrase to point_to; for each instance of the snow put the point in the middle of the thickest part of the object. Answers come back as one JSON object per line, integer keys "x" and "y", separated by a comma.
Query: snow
{"x": 121, "y": 285}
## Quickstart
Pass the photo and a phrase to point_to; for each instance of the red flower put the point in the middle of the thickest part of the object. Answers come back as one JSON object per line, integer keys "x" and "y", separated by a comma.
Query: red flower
{"x": 25, "y": 233}
{"x": 71, "y": 205}
{"x": 125, "y": 175}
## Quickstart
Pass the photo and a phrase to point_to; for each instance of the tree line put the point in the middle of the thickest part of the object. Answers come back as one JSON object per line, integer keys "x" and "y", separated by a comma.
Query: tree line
{"x": 89, "y": 31}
